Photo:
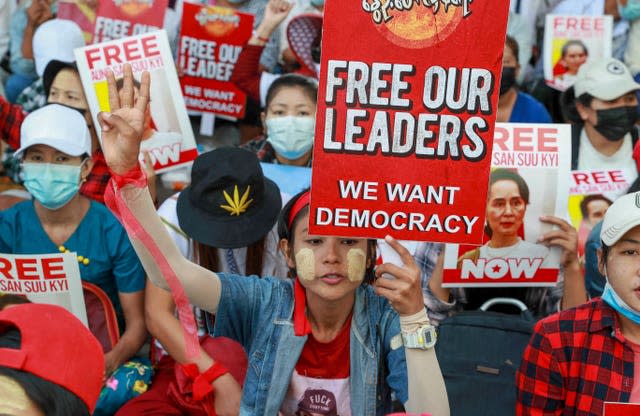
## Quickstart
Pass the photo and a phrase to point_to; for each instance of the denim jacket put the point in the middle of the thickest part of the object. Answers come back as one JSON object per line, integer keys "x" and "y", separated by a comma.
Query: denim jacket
{"x": 258, "y": 314}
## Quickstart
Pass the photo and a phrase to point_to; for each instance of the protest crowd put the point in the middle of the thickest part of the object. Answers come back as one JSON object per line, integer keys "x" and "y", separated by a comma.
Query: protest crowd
{"x": 159, "y": 245}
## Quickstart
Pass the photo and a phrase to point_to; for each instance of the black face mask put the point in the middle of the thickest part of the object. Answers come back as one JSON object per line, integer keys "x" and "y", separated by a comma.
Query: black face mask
{"x": 508, "y": 79}
{"x": 615, "y": 123}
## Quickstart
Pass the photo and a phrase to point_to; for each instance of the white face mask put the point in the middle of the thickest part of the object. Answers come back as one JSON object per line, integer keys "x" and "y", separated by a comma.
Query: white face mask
{"x": 291, "y": 136}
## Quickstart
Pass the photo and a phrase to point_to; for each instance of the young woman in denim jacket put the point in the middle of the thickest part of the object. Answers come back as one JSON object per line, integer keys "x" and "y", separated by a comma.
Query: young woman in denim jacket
{"x": 271, "y": 317}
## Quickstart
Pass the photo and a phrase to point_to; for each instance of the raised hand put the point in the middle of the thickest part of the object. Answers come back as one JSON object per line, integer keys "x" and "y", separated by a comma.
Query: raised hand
{"x": 405, "y": 291}
{"x": 274, "y": 14}
{"x": 122, "y": 128}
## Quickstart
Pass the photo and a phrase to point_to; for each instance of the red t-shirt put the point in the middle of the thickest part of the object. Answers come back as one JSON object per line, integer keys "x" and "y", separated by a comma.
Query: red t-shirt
{"x": 320, "y": 382}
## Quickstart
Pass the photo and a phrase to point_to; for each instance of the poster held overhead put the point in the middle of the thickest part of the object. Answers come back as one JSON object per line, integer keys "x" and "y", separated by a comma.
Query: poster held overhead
{"x": 211, "y": 40}
{"x": 404, "y": 126}
{"x": 44, "y": 278}
{"x": 570, "y": 41}
{"x": 168, "y": 137}
{"x": 529, "y": 179}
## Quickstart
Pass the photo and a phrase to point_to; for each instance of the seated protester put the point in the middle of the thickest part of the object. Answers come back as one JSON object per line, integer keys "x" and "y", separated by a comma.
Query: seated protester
{"x": 62, "y": 85}
{"x": 56, "y": 144}
{"x": 507, "y": 202}
{"x": 24, "y": 21}
{"x": 53, "y": 40}
{"x": 594, "y": 280}
{"x": 289, "y": 122}
{"x": 250, "y": 77}
{"x": 346, "y": 320}
{"x": 50, "y": 364}
{"x": 605, "y": 111}
{"x": 209, "y": 232}
{"x": 580, "y": 358}
{"x": 516, "y": 106}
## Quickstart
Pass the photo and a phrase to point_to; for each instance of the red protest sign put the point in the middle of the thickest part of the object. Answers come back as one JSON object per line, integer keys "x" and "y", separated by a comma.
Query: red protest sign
{"x": 621, "y": 409}
{"x": 44, "y": 278}
{"x": 211, "y": 40}
{"x": 117, "y": 19}
{"x": 80, "y": 13}
{"x": 406, "y": 111}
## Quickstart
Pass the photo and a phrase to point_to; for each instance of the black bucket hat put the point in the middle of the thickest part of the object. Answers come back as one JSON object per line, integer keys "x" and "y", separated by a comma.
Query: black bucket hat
{"x": 229, "y": 203}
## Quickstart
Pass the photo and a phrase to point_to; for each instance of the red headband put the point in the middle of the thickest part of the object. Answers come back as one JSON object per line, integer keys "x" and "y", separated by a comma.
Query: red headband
{"x": 302, "y": 202}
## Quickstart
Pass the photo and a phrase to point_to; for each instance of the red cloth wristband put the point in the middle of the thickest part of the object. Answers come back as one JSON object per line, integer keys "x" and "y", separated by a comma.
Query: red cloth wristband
{"x": 202, "y": 381}
{"x": 134, "y": 176}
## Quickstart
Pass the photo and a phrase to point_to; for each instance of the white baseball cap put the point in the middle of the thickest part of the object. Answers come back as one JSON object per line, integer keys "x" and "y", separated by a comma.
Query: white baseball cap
{"x": 622, "y": 216}
{"x": 55, "y": 40}
{"x": 58, "y": 126}
{"x": 605, "y": 79}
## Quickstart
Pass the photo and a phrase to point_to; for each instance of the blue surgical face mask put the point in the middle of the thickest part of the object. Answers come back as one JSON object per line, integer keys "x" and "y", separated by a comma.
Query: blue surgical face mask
{"x": 317, "y": 3}
{"x": 616, "y": 302}
{"x": 51, "y": 184}
{"x": 291, "y": 136}
{"x": 631, "y": 11}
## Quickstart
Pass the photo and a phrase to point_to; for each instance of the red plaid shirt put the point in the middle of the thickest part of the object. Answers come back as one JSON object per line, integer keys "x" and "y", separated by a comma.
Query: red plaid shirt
{"x": 576, "y": 360}
{"x": 12, "y": 116}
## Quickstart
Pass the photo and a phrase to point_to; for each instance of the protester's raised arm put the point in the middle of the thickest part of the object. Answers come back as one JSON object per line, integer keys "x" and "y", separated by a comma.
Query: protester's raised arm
{"x": 121, "y": 135}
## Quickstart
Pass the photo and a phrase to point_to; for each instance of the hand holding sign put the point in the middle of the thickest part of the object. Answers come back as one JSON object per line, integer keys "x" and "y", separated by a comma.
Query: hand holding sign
{"x": 122, "y": 128}
{"x": 565, "y": 237}
{"x": 405, "y": 291}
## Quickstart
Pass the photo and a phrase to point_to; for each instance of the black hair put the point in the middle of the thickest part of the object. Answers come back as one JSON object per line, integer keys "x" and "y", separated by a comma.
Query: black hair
{"x": 568, "y": 101}
{"x": 8, "y": 299}
{"x": 512, "y": 44}
{"x": 573, "y": 42}
{"x": 509, "y": 175}
{"x": 286, "y": 233}
{"x": 589, "y": 199}
{"x": 308, "y": 85}
{"x": 51, "y": 399}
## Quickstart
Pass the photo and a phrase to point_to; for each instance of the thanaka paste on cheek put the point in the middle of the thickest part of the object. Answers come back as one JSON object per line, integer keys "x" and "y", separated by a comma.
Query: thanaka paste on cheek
{"x": 12, "y": 396}
{"x": 305, "y": 264}
{"x": 356, "y": 264}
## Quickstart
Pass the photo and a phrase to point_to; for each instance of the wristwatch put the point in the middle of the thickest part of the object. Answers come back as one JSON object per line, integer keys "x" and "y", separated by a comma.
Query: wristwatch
{"x": 423, "y": 338}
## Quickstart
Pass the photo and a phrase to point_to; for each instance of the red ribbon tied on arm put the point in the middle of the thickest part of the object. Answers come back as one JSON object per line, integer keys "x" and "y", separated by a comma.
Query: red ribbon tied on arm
{"x": 114, "y": 201}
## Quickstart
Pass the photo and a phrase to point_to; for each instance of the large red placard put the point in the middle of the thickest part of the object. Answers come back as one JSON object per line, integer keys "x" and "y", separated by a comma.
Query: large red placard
{"x": 211, "y": 40}
{"x": 406, "y": 112}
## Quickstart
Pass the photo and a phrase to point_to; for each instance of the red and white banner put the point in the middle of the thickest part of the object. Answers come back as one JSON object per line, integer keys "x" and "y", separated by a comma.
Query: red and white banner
{"x": 210, "y": 43}
{"x": 591, "y": 193}
{"x": 529, "y": 179}
{"x": 406, "y": 111}
{"x": 571, "y": 41}
{"x": 621, "y": 409}
{"x": 168, "y": 137}
{"x": 44, "y": 278}
{"x": 116, "y": 19}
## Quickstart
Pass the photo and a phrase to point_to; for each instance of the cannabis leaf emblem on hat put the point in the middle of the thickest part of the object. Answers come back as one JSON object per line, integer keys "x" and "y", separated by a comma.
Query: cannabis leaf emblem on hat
{"x": 237, "y": 205}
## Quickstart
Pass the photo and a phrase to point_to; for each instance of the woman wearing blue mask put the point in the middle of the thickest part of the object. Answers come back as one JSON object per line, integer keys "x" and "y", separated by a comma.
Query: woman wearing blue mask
{"x": 289, "y": 122}
{"x": 54, "y": 153}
